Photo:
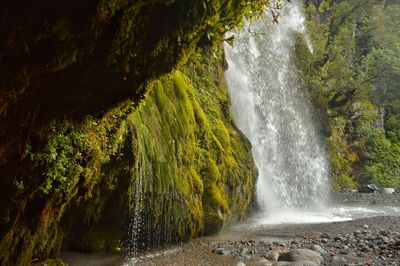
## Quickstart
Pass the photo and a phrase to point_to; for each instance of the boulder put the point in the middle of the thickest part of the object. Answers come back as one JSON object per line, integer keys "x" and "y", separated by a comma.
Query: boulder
{"x": 272, "y": 255}
{"x": 370, "y": 188}
{"x": 319, "y": 250}
{"x": 244, "y": 251}
{"x": 337, "y": 261}
{"x": 298, "y": 255}
{"x": 388, "y": 190}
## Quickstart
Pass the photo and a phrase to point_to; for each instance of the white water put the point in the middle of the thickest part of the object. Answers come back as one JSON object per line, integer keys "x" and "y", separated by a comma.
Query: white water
{"x": 329, "y": 215}
{"x": 272, "y": 110}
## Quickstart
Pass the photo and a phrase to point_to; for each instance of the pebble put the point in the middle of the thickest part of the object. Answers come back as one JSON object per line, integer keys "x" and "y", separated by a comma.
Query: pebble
{"x": 319, "y": 250}
{"x": 244, "y": 251}
{"x": 337, "y": 261}
{"x": 222, "y": 251}
{"x": 272, "y": 255}
{"x": 325, "y": 235}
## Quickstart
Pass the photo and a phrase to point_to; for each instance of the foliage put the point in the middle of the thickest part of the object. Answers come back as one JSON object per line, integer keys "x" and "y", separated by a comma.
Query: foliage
{"x": 381, "y": 160}
{"x": 60, "y": 156}
{"x": 353, "y": 78}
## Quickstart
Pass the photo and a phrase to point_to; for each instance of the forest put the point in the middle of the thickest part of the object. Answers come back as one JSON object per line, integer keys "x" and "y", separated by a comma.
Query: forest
{"x": 353, "y": 78}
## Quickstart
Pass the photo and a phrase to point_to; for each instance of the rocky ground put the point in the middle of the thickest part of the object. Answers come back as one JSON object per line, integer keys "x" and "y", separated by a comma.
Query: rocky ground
{"x": 374, "y": 241}
{"x": 367, "y": 241}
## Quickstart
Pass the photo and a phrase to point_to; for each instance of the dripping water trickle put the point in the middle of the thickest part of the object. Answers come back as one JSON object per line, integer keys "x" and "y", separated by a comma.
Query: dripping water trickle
{"x": 136, "y": 219}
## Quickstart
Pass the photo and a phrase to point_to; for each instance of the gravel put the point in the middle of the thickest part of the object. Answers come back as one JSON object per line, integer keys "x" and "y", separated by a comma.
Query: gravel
{"x": 363, "y": 242}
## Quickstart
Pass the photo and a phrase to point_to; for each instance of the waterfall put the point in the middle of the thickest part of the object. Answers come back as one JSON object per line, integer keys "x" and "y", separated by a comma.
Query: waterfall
{"x": 273, "y": 111}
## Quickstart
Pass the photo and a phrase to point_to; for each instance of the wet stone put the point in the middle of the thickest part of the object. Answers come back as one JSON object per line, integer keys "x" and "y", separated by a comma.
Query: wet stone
{"x": 319, "y": 250}
{"x": 272, "y": 255}
{"x": 221, "y": 251}
{"x": 297, "y": 255}
{"x": 325, "y": 235}
{"x": 337, "y": 261}
{"x": 244, "y": 251}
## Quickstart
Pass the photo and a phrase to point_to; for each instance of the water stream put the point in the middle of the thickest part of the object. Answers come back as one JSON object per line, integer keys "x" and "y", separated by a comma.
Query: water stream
{"x": 273, "y": 111}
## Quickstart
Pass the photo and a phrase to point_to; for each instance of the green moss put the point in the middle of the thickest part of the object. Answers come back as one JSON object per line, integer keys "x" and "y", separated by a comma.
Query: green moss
{"x": 200, "y": 117}
{"x": 182, "y": 86}
{"x": 159, "y": 96}
{"x": 214, "y": 223}
{"x": 222, "y": 134}
{"x": 187, "y": 148}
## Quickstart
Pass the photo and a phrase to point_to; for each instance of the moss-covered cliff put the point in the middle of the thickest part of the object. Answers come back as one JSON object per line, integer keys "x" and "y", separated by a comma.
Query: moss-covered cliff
{"x": 174, "y": 167}
{"x": 73, "y": 143}
{"x": 183, "y": 167}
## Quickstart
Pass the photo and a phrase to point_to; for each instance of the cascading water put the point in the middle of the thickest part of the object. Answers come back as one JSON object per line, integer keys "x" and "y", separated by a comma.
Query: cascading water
{"x": 272, "y": 110}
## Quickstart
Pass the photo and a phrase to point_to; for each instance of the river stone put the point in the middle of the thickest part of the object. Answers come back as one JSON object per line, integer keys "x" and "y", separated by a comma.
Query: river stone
{"x": 272, "y": 255}
{"x": 263, "y": 263}
{"x": 244, "y": 252}
{"x": 319, "y": 250}
{"x": 282, "y": 263}
{"x": 222, "y": 251}
{"x": 325, "y": 235}
{"x": 337, "y": 261}
{"x": 296, "y": 263}
{"x": 371, "y": 188}
{"x": 388, "y": 190}
{"x": 297, "y": 255}
{"x": 384, "y": 232}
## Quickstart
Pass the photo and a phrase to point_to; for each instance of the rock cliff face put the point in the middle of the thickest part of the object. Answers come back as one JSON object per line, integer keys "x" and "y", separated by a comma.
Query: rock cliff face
{"x": 82, "y": 147}
{"x": 75, "y": 58}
